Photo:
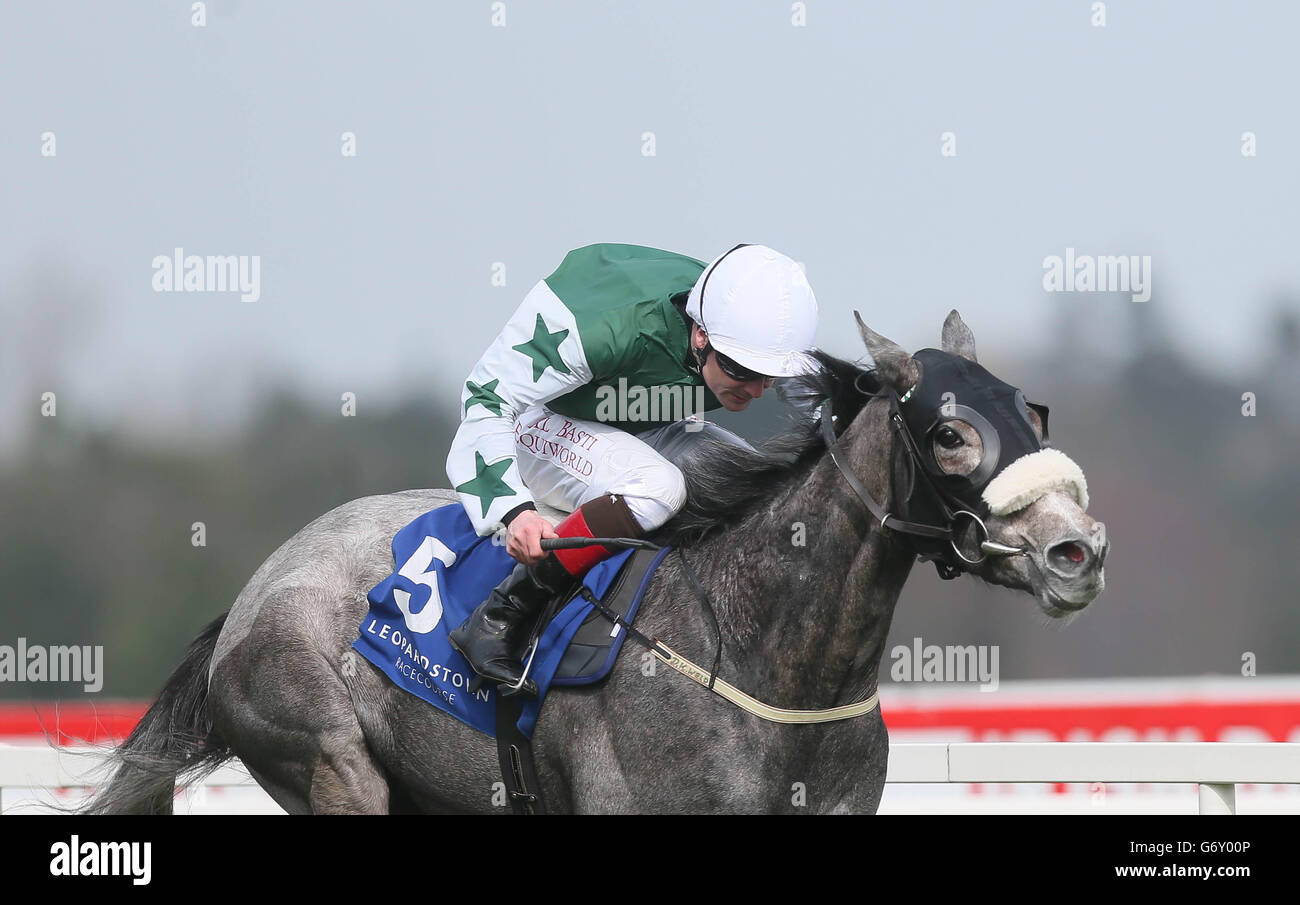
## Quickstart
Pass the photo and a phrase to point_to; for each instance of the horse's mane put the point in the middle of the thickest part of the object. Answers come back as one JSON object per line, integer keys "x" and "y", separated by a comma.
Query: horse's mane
{"x": 724, "y": 482}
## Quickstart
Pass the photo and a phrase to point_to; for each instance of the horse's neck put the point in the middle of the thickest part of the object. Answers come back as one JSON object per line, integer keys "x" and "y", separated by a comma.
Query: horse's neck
{"x": 809, "y": 583}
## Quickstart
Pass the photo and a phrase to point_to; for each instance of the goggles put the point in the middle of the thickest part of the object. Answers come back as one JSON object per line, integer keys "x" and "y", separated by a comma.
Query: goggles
{"x": 736, "y": 371}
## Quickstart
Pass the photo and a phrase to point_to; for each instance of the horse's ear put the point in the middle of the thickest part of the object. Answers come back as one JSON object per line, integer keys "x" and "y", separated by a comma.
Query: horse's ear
{"x": 957, "y": 338}
{"x": 894, "y": 364}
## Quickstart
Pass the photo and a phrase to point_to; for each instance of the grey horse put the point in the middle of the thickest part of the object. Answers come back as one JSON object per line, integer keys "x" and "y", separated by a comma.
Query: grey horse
{"x": 276, "y": 683}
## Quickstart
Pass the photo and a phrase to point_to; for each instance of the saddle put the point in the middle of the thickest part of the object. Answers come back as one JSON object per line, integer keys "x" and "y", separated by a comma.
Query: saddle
{"x": 596, "y": 644}
{"x": 442, "y": 571}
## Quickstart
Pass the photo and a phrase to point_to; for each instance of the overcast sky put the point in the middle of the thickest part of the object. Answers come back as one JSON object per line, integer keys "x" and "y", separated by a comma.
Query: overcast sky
{"x": 478, "y": 144}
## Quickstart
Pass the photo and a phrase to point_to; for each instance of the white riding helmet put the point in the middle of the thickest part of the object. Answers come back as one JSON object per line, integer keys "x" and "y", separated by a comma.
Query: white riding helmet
{"x": 759, "y": 310}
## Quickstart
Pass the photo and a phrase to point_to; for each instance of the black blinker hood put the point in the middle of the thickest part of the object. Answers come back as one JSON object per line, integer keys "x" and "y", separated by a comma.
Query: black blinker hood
{"x": 953, "y": 388}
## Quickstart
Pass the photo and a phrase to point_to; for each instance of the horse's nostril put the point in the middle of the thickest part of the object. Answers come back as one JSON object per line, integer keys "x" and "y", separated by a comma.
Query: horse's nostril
{"x": 1067, "y": 555}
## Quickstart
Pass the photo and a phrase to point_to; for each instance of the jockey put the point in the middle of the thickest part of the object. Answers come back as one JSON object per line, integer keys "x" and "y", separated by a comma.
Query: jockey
{"x": 618, "y": 341}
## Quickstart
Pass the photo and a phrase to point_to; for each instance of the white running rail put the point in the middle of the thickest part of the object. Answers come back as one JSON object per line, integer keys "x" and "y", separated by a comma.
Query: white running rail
{"x": 1217, "y": 767}
{"x": 45, "y": 767}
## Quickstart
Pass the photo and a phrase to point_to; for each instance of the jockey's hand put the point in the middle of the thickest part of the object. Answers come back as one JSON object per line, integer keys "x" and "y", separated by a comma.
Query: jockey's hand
{"x": 524, "y": 535}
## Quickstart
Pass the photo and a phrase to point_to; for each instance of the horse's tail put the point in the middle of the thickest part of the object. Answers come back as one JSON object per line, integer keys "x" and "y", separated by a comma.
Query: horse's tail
{"x": 175, "y": 735}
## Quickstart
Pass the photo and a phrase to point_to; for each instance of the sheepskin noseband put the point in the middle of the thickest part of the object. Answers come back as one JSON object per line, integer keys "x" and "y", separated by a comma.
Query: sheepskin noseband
{"x": 1033, "y": 476}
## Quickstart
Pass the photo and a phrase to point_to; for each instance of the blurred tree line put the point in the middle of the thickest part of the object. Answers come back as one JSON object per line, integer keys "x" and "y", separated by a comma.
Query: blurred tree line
{"x": 97, "y": 530}
{"x": 1199, "y": 487}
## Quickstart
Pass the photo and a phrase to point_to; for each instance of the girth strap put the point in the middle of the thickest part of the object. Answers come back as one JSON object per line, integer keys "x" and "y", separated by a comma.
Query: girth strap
{"x": 515, "y": 756}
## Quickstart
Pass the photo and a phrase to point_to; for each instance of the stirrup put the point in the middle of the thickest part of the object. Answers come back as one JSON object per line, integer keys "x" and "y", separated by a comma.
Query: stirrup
{"x": 525, "y": 687}
{"x": 527, "y": 691}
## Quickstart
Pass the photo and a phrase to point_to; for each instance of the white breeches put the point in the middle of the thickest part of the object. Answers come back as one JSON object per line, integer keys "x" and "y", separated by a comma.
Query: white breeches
{"x": 565, "y": 462}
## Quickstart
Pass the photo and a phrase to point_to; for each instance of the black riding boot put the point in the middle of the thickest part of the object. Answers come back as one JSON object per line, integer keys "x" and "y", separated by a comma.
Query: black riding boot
{"x": 495, "y": 635}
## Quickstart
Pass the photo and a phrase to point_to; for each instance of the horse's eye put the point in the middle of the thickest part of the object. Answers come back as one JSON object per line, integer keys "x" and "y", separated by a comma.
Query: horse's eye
{"x": 948, "y": 438}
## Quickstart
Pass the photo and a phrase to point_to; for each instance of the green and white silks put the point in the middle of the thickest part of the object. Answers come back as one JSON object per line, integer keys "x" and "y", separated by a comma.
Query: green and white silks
{"x": 606, "y": 313}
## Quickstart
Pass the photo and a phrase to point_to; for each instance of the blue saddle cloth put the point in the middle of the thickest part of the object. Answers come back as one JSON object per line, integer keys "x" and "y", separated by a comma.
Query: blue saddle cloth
{"x": 443, "y": 571}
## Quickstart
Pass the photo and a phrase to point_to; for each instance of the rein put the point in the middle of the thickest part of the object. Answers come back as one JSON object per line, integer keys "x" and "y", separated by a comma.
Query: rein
{"x": 709, "y": 679}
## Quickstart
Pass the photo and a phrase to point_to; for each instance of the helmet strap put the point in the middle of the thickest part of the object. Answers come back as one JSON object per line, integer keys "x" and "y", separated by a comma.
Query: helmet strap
{"x": 702, "y": 355}
{"x": 697, "y": 355}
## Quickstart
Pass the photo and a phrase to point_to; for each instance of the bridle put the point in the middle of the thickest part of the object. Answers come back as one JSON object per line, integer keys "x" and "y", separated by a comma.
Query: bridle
{"x": 947, "y": 567}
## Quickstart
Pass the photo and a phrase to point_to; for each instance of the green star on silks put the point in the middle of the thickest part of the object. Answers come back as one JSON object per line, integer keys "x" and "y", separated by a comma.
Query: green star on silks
{"x": 544, "y": 350}
{"x": 483, "y": 395}
{"x": 487, "y": 484}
